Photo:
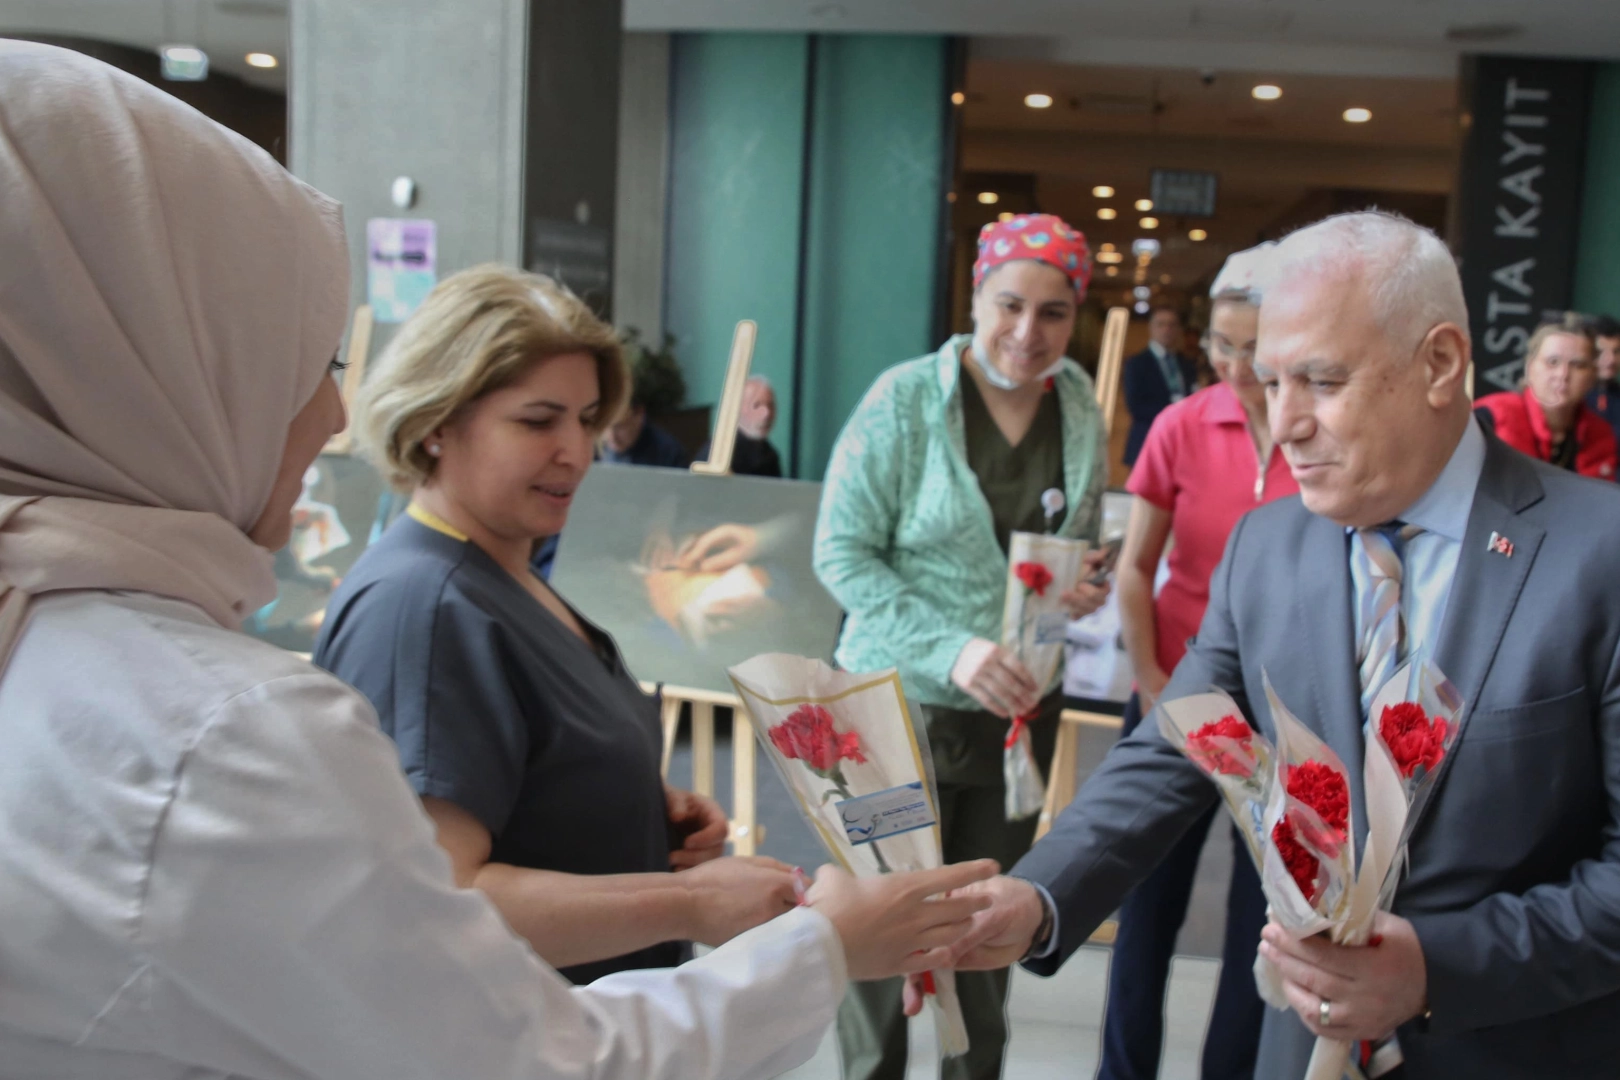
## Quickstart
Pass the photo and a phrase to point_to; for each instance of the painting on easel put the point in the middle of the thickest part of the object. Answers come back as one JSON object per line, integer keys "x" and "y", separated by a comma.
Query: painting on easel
{"x": 694, "y": 573}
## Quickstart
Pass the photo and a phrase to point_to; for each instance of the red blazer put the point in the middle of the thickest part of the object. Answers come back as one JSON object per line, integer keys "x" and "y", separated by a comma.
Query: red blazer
{"x": 1521, "y": 424}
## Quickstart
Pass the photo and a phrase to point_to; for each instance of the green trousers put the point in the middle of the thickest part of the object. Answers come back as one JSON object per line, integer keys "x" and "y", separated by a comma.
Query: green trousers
{"x": 967, "y": 752}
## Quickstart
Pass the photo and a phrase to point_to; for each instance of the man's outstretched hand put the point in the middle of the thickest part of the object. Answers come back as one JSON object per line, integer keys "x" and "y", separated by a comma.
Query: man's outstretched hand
{"x": 999, "y": 936}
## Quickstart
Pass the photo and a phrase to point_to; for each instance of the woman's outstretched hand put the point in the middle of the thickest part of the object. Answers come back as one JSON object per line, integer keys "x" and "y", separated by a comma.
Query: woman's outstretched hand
{"x": 896, "y": 924}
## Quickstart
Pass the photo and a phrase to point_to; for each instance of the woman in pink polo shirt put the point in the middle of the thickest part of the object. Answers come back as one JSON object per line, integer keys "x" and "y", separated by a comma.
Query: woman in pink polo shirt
{"x": 1207, "y": 461}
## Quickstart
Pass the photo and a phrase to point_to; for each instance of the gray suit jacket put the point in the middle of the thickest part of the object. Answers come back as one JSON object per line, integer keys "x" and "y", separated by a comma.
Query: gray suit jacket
{"x": 1514, "y": 886}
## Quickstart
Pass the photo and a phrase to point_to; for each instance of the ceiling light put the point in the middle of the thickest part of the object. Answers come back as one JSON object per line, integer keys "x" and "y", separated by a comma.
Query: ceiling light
{"x": 1142, "y": 307}
{"x": 1112, "y": 271}
{"x": 1038, "y": 101}
{"x": 1145, "y": 247}
{"x": 1109, "y": 257}
{"x": 1266, "y": 92}
{"x": 989, "y": 198}
{"x": 1107, "y": 247}
{"x": 1005, "y": 215}
{"x": 1357, "y": 116}
{"x": 1106, "y": 213}
{"x": 1142, "y": 292}
{"x": 261, "y": 60}
{"x": 1149, "y": 223}
{"x": 1144, "y": 205}
{"x": 958, "y": 98}
{"x": 1103, "y": 191}
{"x": 1198, "y": 234}
{"x": 1164, "y": 279}
{"x": 184, "y": 63}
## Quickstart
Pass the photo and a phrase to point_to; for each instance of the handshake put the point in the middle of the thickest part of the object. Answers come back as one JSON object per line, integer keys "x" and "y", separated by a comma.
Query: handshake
{"x": 961, "y": 916}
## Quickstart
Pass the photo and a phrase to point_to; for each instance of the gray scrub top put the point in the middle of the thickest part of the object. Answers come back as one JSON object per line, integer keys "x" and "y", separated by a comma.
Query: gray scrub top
{"x": 498, "y": 707}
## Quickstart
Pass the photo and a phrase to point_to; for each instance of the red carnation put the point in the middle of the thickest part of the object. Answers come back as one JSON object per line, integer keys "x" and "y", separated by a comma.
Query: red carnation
{"x": 808, "y": 735}
{"x": 1413, "y": 739}
{"x": 1324, "y": 790}
{"x": 1035, "y": 576}
{"x": 1212, "y": 756}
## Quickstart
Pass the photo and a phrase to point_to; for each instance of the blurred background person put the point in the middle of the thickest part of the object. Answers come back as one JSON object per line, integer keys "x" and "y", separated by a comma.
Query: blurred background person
{"x": 633, "y": 439}
{"x": 942, "y": 460}
{"x": 534, "y": 749}
{"x": 753, "y": 454}
{"x": 1207, "y": 461}
{"x": 1605, "y": 396}
{"x": 1548, "y": 418}
{"x": 1157, "y": 377}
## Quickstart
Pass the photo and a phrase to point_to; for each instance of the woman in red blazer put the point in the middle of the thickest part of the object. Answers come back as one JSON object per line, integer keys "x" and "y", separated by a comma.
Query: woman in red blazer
{"x": 1547, "y": 418}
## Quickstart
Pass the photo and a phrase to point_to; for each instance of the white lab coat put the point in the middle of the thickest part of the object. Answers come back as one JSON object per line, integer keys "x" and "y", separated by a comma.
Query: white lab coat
{"x": 210, "y": 866}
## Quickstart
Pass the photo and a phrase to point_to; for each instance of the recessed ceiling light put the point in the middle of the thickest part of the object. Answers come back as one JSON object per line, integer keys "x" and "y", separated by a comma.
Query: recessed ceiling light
{"x": 1164, "y": 279}
{"x": 989, "y": 198}
{"x": 1198, "y": 234}
{"x": 1149, "y": 223}
{"x": 1144, "y": 204}
{"x": 1108, "y": 247}
{"x": 1143, "y": 307}
{"x": 1038, "y": 101}
{"x": 1109, "y": 258}
{"x": 1103, "y": 191}
{"x": 261, "y": 60}
{"x": 1266, "y": 92}
{"x": 1142, "y": 292}
{"x": 1112, "y": 271}
{"x": 1357, "y": 116}
{"x": 1106, "y": 213}
{"x": 1005, "y": 215}
{"x": 958, "y": 97}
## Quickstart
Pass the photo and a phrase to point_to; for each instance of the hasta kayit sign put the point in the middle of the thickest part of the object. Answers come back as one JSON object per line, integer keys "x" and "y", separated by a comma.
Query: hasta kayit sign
{"x": 1519, "y": 201}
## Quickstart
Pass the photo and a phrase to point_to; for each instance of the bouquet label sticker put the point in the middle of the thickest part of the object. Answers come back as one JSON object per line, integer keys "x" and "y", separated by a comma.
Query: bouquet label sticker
{"x": 885, "y": 813}
{"x": 1051, "y": 628}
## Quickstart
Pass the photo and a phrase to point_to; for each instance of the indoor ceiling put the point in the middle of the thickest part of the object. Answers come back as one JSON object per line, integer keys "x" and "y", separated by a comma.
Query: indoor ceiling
{"x": 227, "y": 30}
{"x": 1388, "y": 37}
{"x": 1274, "y": 159}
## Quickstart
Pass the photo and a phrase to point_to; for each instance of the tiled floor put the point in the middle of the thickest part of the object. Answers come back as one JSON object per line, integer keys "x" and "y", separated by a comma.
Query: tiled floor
{"x": 1056, "y": 1023}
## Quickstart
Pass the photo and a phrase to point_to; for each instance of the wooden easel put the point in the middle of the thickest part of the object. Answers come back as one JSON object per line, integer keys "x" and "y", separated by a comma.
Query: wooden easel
{"x": 1060, "y": 784}
{"x": 746, "y": 832}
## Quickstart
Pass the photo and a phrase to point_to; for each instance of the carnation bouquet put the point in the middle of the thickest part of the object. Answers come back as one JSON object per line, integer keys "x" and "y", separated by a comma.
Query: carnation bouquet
{"x": 859, "y": 771}
{"x": 1291, "y": 802}
{"x": 1034, "y": 625}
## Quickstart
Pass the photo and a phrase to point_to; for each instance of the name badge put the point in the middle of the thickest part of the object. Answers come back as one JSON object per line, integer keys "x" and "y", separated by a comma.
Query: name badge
{"x": 885, "y": 813}
{"x": 1052, "y": 628}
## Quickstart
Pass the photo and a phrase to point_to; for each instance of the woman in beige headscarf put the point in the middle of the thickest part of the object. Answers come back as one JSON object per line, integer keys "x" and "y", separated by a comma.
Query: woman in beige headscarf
{"x": 209, "y": 862}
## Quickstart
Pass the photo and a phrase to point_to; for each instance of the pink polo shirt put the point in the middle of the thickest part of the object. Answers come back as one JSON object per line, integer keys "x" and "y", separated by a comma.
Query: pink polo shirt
{"x": 1199, "y": 465}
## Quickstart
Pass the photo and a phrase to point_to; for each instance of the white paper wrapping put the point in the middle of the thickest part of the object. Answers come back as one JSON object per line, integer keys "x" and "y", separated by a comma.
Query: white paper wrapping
{"x": 872, "y": 706}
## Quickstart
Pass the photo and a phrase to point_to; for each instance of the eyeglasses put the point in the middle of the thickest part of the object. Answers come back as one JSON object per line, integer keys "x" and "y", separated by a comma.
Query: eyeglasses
{"x": 1229, "y": 351}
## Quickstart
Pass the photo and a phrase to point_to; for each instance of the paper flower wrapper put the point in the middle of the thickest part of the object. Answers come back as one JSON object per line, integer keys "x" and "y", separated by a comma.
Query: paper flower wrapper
{"x": 835, "y": 736}
{"x": 1034, "y": 625}
{"x": 1210, "y": 730}
{"x": 1411, "y": 727}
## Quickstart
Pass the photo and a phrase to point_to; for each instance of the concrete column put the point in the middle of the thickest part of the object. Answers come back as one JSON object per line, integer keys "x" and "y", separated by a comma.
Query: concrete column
{"x": 419, "y": 88}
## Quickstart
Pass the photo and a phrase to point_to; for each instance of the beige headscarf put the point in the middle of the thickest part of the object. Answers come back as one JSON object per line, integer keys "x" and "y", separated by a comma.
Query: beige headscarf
{"x": 170, "y": 298}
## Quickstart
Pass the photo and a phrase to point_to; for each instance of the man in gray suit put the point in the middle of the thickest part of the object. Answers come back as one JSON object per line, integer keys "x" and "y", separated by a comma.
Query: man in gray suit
{"x": 1502, "y": 955}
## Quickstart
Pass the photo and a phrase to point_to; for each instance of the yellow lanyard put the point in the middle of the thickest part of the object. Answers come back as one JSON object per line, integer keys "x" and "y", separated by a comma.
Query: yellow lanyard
{"x": 434, "y": 521}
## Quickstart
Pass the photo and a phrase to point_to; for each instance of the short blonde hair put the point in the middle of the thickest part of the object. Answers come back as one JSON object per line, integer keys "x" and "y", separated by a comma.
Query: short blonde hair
{"x": 478, "y": 331}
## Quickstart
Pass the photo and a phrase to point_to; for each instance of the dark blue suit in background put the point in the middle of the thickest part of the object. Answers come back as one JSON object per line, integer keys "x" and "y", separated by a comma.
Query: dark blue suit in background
{"x": 1147, "y": 394}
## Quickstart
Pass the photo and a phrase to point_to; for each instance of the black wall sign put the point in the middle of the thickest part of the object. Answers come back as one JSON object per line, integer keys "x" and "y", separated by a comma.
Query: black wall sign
{"x": 1519, "y": 199}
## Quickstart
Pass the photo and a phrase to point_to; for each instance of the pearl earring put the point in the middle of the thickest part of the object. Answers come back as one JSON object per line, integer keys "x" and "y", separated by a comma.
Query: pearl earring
{"x": 433, "y": 449}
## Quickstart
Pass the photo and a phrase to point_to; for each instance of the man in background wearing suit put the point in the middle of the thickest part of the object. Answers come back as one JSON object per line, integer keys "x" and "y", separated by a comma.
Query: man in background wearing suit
{"x": 1156, "y": 378}
{"x": 1501, "y": 958}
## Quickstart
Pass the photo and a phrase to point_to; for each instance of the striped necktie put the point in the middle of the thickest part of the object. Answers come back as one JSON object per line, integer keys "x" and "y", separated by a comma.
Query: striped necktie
{"x": 1383, "y": 630}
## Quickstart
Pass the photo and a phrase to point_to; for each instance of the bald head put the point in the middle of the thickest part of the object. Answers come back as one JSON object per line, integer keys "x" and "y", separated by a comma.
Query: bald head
{"x": 1363, "y": 350}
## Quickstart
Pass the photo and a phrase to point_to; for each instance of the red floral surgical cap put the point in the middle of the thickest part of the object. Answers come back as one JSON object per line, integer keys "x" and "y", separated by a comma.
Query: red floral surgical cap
{"x": 1045, "y": 238}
